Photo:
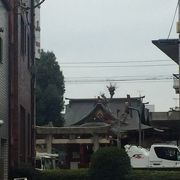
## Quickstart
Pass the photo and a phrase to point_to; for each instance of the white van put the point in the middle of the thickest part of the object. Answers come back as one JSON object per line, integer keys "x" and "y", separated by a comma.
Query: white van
{"x": 46, "y": 161}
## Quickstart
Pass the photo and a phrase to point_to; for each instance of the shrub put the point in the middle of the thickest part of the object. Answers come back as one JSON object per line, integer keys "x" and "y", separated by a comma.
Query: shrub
{"x": 109, "y": 163}
{"x": 28, "y": 172}
{"x": 58, "y": 174}
{"x": 155, "y": 174}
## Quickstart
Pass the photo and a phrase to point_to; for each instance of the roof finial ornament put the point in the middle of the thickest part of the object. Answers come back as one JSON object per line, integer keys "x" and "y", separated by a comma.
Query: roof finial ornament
{"x": 111, "y": 89}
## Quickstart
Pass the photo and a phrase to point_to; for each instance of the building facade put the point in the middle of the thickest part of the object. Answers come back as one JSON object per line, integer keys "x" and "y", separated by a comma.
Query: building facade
{"x": 17, "y": 54}
{"x": 37, "y": 31}
{"x": 169, "y": 122}
{"x": 21, "y": 83}
{"x": 4, "y": 90}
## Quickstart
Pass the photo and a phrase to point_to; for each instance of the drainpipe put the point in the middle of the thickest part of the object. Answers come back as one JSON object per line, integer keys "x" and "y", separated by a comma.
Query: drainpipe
{"x": 178, "y": 31}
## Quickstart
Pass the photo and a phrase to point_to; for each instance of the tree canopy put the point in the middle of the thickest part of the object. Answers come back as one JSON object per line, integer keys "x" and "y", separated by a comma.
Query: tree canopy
{"x": 49, "y": 90}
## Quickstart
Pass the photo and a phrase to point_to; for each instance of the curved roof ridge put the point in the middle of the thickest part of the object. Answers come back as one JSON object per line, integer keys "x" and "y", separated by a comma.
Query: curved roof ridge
{"x": 89, "y": 113}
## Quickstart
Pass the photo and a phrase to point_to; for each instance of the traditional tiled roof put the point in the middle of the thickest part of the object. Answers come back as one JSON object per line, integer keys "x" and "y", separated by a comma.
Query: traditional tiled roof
{"x": 79, "y": 110}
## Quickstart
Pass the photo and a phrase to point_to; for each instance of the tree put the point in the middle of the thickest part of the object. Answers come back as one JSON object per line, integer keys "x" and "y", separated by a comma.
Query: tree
{"x": 111, "y": 89}
{"x": 110, "y": 163}
{"x": 49, "y": 90}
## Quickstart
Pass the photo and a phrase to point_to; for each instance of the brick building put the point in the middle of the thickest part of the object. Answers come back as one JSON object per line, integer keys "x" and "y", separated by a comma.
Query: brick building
{"x": 21, "y": 82}
{"x": 16, "y": 84}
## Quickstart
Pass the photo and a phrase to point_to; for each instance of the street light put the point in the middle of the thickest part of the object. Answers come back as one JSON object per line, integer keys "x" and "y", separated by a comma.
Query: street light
{"x": 119, "y": 133}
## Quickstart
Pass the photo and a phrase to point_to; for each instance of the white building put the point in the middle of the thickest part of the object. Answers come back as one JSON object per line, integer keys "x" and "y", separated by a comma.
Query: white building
{"x": 4, "y": 91}
{"x": 151, "y": 107}
{"x": 37, "y": 31}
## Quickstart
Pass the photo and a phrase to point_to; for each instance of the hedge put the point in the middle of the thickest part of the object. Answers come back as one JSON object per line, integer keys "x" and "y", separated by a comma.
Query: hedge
{"x": 28, "y": 172}
{"x": 155, "y": 175}
{"x": 109, "y": 163}
{"x": 82, "y": 174}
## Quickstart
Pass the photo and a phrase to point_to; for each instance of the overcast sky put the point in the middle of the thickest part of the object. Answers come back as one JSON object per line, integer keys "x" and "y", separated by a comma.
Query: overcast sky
{"x": 111, "y": 31}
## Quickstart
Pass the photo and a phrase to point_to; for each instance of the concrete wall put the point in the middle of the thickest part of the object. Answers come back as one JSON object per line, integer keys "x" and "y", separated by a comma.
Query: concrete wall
{"x": 164, "y": 116}
{"x": 4, "y": 91}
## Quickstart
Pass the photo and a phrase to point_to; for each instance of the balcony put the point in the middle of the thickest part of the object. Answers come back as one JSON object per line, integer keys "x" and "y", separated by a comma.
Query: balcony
{"x": 176, "y": 83}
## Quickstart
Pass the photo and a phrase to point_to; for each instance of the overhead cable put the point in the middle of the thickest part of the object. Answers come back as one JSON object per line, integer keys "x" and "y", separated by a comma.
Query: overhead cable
{"x": 112, "y": 62}
{"x": 119, "y": 66}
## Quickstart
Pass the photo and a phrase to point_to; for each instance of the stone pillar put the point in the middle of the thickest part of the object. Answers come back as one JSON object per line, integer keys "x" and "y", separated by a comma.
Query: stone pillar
{"x": 95, "y": 142}
{"x": 49, "y": 143}
{"x": 81, "y": 150}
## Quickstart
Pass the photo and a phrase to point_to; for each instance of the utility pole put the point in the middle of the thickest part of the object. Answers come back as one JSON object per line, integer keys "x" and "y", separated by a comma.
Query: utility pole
{"x": 139, "y": 124}
{"x": 119, "y": 131}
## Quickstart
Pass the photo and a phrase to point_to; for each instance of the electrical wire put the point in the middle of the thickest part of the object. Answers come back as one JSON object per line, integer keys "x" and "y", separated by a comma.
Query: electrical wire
{"x": 117, "y": 66}
{"x": 170, "y": 30}
{"x": 119, "y": 81}
{"x": 87, "y": 81}
{"x": 112, "y": 62}
{"x": 116, "y": 77}
{"x": 37, "y": 5}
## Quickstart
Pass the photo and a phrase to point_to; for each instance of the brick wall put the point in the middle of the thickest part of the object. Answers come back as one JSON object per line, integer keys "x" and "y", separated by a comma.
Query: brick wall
{"x": 21, "y": 103}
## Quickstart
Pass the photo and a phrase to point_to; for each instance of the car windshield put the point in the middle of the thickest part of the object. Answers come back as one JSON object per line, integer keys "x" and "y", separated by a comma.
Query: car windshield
{"x": 167, "y": 153}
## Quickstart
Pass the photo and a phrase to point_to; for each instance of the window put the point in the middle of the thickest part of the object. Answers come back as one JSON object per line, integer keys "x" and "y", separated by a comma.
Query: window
{"x": 167, "y": 153}
{"x": 23, "y": 37}
{"x": 29, "y": 135}
{"x": 22, "y": 133}
{"x": 1, "y": 50}
{"x": 37, "y": 26}
{"x": 38, "y": 163}
{"x": 28, "y": 51}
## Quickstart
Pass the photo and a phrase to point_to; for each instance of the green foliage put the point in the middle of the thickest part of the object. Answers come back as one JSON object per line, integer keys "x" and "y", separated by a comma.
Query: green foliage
{"x": 49, "y": 90}
{"x": 109, "y": 163}
{"x": 155, "y": 175}
{"x": 80, "y": 174}
{"x": 28, "y": 172}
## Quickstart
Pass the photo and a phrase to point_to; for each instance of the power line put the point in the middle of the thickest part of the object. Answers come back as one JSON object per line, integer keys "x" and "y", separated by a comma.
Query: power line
{"x": 88, "y": 81}
{"x": 117, "y": 77}
{"x": 112, "y": 62}
{"x": 173, "y": 19}
{"x": 122, "y": 82}
{"x": 118, "y": 66}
